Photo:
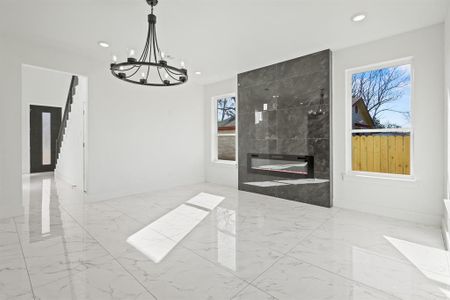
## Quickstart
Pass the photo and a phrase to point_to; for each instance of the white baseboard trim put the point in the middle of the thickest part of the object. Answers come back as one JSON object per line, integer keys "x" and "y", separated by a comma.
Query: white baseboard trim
{"x": 415, "y": 217}
{"x": 445, "y": 234}
{"x": 96, "y": 197}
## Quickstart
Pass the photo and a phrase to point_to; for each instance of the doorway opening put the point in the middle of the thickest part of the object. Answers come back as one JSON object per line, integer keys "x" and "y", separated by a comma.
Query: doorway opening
{"x": 45, "y": 123}
{"x": 54, "y": 118}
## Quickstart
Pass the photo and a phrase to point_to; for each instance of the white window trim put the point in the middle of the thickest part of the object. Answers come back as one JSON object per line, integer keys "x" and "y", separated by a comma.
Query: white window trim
{"x": 348, "y": 122}
{"x": 215, "y": 135}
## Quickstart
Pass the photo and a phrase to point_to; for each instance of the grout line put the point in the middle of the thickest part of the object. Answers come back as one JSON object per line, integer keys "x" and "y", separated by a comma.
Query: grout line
{"x": 342, "y": 276}
{"x": 283, "y": 255}
{"x": 195, "y": 253}
{"x": 312, "y": 232}
{"x": 24, "y": 259}
{"x": 113, "y": 257}
{"x": 255, "y": 287}
{"x": 258, "y": 276}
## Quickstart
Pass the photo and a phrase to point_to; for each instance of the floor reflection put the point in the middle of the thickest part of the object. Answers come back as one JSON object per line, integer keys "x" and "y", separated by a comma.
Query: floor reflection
{"x": 226, "y": 237}
{"x": 159, "y": 238}
{"x": 272, "y": 183}
{"x": 431, "y": 262}
{"x": 42, "y": 210}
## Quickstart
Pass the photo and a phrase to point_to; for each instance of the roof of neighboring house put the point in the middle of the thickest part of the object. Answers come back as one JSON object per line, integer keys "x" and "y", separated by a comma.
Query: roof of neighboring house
{"x": 362, "y": 119}
{"x": 228, "y": 124}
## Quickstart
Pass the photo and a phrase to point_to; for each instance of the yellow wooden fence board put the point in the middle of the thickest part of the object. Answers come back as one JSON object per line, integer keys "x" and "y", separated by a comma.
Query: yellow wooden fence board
{"x": 369, "y": 145}
{"x": 407, "y": 155}
{"x": 356, "y": 159}
{"x": 399, "y": 154}
{"x": 391, "y": 154}
{"x": 376, "y": 153}
{"x": 384, "y": 154}
{"x": 384, "y": 157}
{"x": 363, "y": 153}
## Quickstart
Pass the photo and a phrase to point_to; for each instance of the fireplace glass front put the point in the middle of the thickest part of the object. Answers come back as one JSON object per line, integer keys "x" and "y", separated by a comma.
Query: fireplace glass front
{"x": 293, "y": 166}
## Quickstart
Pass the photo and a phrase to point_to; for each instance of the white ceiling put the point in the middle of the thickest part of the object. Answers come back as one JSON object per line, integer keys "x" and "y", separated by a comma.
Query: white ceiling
{"x": 219, "y": 38}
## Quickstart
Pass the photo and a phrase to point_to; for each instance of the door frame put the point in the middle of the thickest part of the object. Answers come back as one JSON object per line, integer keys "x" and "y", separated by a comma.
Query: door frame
{"x": 53, "y": 110}
{"x": 85, "y": 182}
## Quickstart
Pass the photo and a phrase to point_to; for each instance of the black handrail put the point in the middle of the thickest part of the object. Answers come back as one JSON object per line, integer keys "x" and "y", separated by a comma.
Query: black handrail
{"x": 67, "y": 108}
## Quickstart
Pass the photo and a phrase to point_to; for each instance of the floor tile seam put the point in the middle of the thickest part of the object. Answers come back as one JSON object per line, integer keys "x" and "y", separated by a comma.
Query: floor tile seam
{"x": 114, "y": 258}
{"x": 308, "y": 235}
{"x": 262, "y": 273}
{"x": 37, "y": 286}
{"x": 341, "y": 276}
{"x": 143, "y": 224}
{"x": 249, "y": 282}
{"x": 254, "y": 286}
{"x": 24, "y": 259}
{"x": 9, "y": 218}
{"x": 128, "y": 215}
{"x": 215, "y": 264}
{"x": 346, "y": 243}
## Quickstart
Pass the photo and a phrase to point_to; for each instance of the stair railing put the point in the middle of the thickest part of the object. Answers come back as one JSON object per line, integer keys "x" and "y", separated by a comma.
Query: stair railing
{"x": 67, "y": 109}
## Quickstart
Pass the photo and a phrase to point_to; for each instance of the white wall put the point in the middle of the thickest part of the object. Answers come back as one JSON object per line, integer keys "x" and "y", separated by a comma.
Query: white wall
{"x": 139, "y": 138}
{"x": 70, "y": 164}
{"x": 447, "y": 102}
{"x": 40, "y": 87}
{"x": 219, "y": 173}
{"x": 10, "y": 134}
{"x": 418, "y": 200}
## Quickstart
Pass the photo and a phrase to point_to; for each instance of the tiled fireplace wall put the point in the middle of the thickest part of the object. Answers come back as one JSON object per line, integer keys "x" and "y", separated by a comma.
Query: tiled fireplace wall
{"x": 276, "y": 106}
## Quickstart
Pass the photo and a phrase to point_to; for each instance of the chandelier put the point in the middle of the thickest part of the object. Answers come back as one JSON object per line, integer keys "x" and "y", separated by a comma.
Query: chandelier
{"x": 151, "y": 68}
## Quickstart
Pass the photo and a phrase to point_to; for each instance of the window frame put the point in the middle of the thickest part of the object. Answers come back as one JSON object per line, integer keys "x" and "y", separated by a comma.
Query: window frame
{"x": 349, "y": 122}
{"x": 214, "y": 131}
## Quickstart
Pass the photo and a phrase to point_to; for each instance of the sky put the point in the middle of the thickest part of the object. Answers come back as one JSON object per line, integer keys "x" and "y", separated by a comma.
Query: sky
{"x": 401, "y": 104}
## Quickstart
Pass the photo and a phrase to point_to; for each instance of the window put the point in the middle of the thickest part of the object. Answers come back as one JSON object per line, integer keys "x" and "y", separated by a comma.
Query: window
{"x": 224, "y": 127}
{"x": 46, "y": 139}
{"x": 380, "y": 116}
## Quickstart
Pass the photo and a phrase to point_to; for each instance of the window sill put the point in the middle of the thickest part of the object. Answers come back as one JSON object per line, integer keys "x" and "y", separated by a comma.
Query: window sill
{"x": 225, "y": 162}
{"x": 378, "y": 177}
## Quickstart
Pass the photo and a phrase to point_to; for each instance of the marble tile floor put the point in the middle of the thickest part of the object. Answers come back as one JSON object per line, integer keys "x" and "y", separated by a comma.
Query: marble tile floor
{"x": 207, "y": 241}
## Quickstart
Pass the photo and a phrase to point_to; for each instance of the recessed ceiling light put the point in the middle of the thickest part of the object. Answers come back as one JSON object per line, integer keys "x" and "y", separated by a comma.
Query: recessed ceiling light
{"x": 198, "y": 73}
{"x": 359, "y": 17}
{"x": 103, "y": 44}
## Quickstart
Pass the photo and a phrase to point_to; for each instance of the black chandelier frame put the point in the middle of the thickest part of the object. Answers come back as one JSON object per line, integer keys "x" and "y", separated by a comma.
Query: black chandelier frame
{"x": 151, "y": 57}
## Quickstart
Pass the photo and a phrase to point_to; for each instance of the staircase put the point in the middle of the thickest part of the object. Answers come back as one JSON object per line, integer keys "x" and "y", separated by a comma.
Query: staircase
{"x": 67, "y": 108}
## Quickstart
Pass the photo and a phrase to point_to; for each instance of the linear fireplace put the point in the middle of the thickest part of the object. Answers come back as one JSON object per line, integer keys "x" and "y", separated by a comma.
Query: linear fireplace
{"x": 292, "y": 166}
{"x": 284, "y": 151}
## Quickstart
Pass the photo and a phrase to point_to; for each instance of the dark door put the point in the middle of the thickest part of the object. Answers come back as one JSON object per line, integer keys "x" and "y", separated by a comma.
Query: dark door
{"x": 44, "y": 128}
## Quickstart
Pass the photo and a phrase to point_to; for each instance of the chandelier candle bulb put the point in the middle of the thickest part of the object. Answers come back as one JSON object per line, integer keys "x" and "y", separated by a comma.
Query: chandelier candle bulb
{"x": 151, "y": 58}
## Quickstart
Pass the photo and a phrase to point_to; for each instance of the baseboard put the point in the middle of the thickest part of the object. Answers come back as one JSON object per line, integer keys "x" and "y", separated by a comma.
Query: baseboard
{"x": 445, "y": 234}
{"x": 67, "y": 180}
{"x": 96, "y": 197}
{"x": 410, "y": 216}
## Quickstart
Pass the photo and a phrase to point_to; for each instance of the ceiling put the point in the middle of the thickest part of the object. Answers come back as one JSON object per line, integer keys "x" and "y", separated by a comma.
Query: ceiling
{"x": 218, "y": 38}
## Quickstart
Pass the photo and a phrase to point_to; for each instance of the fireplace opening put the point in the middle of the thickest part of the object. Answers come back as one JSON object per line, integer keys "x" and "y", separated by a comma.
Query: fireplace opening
{"x": 292, "y": 166}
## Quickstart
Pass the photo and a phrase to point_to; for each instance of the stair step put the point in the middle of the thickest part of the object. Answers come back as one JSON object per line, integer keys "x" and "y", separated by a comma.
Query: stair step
{"x": 68, "y": 109}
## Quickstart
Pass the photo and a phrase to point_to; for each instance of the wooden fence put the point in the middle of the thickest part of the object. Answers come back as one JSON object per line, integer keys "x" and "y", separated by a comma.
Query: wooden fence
{"x": 381, "y": 153}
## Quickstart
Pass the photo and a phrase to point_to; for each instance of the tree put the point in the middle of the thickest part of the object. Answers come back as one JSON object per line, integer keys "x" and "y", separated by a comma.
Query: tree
{"x": 379, "y": 89}
{"x": 226, "y": 108}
